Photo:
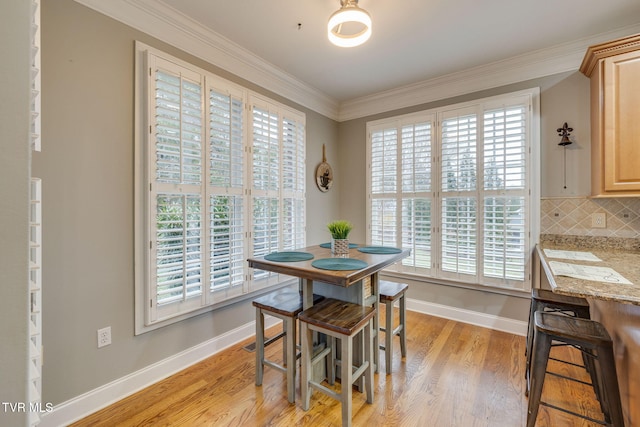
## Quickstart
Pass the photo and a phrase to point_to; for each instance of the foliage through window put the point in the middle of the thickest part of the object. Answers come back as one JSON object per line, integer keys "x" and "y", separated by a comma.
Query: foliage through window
{"x": 221, "y": 171}
{"x": 454, "y": 186}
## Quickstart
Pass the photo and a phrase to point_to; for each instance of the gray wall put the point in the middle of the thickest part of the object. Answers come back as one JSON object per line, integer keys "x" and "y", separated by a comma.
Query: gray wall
{"x": 87, "y": 169}
{"x": 15, "y": 118}
{"x": 563, "y": 97}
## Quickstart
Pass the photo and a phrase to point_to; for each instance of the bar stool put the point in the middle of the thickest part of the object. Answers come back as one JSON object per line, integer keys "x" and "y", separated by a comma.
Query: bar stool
{"x": 285, "y": 305}
{"x": 546, "y": 300}
{"x": 343, "y": 321}
{"x": 593, "y": 340}
{"x": 390, "y": 292}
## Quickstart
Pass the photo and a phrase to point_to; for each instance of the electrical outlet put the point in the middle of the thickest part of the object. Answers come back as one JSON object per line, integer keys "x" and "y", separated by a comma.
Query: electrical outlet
{"x": 104, "y": 336}
{"x": 599, "y": 220}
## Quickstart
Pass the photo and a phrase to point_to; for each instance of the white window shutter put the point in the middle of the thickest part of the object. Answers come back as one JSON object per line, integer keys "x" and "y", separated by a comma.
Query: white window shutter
{"x": 455, "y": 190}
{"x": 225, "y": 192}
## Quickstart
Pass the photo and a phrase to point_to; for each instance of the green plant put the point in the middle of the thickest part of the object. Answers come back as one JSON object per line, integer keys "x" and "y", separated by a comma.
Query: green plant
{"x": 340, "y": 229}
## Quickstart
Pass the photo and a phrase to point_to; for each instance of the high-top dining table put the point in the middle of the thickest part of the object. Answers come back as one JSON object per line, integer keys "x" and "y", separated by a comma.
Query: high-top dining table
{"x": 359, "y": 285}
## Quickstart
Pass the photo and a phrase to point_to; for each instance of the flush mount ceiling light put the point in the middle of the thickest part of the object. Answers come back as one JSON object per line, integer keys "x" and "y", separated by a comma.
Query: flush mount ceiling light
{"x": 350, "y": 26}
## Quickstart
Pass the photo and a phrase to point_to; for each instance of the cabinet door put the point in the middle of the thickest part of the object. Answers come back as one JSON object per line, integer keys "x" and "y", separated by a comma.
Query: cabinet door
{"x": 622, "y": 122}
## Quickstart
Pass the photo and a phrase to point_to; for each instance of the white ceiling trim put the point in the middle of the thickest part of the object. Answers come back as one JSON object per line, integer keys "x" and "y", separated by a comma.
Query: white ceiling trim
{"x": 170, "y": 26}
{"x": 545, "y": 62}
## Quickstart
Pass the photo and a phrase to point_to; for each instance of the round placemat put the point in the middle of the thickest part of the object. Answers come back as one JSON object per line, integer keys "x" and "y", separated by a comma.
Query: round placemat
{"x": 379, "y": 250}
{"x": 288, "y": 256}
{"x": 328, "y": 245}
{"x": 339, "y": 264}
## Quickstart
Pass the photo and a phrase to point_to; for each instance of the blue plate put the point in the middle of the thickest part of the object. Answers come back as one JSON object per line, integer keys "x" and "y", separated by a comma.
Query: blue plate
{"x": 339, "y": 264}
{"x": 288, "y": 256}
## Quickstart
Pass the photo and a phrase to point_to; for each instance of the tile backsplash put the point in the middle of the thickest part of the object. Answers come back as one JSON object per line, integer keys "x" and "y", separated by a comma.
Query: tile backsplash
{"x": 572, "y": 216}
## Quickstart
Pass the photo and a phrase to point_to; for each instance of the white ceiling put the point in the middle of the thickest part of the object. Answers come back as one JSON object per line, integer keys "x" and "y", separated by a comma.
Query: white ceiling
{"x": 418, "y": 47}
{"x": 412, "y": 40}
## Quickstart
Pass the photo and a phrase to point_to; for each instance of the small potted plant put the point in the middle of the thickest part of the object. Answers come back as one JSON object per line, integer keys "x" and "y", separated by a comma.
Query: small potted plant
{"x": 340, "y": 236}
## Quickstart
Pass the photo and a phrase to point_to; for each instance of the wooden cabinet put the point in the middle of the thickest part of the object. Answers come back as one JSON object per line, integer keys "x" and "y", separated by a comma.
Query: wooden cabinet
{"x": 614, "y": 70}
{"x": 622, "y": 321}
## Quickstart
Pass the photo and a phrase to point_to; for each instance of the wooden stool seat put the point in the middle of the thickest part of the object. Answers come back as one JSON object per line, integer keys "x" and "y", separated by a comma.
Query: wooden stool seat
{"x": 284, "y": 304}
{"x": 287, "y": 303}
{"x": 592, "y": 339}
{"x": 546, "y": 295}
{"x": 390, "y": 292}
{"x": 548, "y": 301}
{"x": 343, "y": 321}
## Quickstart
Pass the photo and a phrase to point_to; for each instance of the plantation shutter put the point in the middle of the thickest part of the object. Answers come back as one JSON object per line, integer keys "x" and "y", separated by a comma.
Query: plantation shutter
{"x": 417, "y": 195}
{"x": 176, "y": 190}
{"x": 505, "y": 222}
{"x": 384, "y": 177}
{"x": 293, "y": 184}
{"x": 225, "y": 194}
{"x": 266, "y": 181}
{"x": 459, "y": 193}
{"x": 456, "y": 190}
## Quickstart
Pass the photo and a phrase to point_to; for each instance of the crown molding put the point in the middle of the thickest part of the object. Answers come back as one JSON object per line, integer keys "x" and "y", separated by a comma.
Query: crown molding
{"x": 172, "y": 27}
{"x": 540, "y": 63}
{"x": 604, "y": 50}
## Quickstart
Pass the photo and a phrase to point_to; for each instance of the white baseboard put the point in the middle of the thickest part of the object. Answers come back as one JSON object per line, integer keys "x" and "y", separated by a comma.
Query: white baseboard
{"x": 503, "y": 324}
{"x": 94, "y": 400}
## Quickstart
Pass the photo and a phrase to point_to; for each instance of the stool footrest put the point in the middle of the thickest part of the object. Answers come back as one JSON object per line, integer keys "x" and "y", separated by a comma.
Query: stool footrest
{"x": 593, "y": 420}
{"x": 324, "y": 389}
{"x": 577, "y": 365}
{"x": 320, "y": 356}
{"x": 275, "y": 366}
{"x": 575, "y": 380}
{"x": 269, "y": 341}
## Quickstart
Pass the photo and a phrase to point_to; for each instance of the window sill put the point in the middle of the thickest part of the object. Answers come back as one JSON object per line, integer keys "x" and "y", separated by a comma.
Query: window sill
{"x": 141, "y": 329}
{"x": 443, "y": 282}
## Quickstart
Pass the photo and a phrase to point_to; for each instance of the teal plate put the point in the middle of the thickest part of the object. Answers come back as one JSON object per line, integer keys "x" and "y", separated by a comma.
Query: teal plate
{"x": 288, "y": 256}
{"x": 328, "y": 245}
{"x": 379, "y": 250}
{"x": 339, "y": 264}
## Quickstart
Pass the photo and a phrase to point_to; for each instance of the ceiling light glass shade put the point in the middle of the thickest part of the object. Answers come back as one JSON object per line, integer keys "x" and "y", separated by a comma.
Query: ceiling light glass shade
{"x": 349, "y": 14}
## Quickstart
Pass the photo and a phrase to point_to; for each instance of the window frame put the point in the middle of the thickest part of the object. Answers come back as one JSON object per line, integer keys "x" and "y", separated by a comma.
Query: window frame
{"x": 435, "y": 273}
{"x": 150, "y": 315}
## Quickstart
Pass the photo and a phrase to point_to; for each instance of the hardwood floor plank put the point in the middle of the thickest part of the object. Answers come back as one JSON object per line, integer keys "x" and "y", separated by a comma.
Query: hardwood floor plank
{"x": 454, "y": 374}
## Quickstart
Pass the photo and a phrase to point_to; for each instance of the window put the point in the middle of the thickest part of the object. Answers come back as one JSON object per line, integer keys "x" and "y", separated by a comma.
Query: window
{"x": 221, "y": 172}
{"x": 454, "y": 186}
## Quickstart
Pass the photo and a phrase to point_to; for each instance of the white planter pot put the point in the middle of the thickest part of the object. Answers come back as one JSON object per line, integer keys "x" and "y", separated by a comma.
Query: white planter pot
{"x": 340, "y": 246}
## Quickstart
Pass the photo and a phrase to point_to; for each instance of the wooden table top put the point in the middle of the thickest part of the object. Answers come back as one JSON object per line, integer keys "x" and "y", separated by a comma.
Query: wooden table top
{"x": 304, "y": 269}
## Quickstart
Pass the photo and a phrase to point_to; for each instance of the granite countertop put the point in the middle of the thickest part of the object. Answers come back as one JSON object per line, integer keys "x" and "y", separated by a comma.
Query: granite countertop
{"x": 622, "y": 255}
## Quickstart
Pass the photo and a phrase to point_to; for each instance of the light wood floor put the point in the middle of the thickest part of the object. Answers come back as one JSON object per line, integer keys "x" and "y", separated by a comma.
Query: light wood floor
{"x": 454, "y": 374}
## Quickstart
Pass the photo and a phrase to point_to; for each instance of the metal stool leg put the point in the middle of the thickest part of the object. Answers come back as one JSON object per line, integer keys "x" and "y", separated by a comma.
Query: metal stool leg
{"x": 539, "y": 359}
{"x": 403, "y": 325}
{"x": 259, "y": 346}
{"x": 609, "y": 381}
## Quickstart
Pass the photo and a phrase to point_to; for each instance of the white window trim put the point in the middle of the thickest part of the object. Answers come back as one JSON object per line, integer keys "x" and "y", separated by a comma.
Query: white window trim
{"x": 533, "y": 189}
{"x": 144, "y": 290}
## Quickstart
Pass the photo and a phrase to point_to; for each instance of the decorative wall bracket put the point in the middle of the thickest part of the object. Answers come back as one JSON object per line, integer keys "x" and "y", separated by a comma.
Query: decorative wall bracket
{"x": 324, "y": 174}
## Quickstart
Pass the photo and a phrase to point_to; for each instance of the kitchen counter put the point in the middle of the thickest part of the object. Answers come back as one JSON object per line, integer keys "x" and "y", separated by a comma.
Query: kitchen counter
{"x": 616, "y": 306}
{"x": 622, "y": 255}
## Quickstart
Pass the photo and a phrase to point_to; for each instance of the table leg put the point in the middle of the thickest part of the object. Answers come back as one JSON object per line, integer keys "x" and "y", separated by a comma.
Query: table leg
{"x": 375, "y": 291}
{"x": 306, "y": 285}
